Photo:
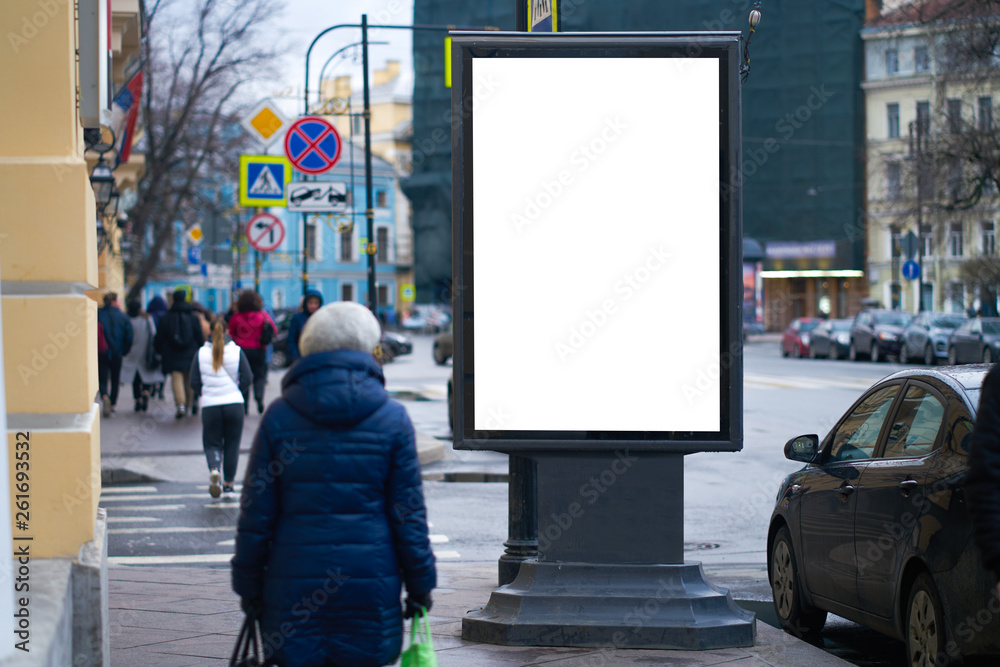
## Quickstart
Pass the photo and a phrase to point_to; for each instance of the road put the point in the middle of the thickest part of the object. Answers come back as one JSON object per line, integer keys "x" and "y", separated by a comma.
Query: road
{"x": 728, "y": 496}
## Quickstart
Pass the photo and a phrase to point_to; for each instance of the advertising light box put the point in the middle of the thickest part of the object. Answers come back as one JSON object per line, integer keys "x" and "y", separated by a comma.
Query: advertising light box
{"x": 597, "y": 241}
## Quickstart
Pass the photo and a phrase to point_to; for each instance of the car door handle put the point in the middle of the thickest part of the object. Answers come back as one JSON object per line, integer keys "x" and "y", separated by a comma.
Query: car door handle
{"x": 845, "y": 489}
{"x": 908, "y": 486}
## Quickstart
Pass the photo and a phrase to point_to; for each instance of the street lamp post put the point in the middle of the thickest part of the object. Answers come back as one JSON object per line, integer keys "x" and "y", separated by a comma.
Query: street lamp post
{"x": 916, "y": 152}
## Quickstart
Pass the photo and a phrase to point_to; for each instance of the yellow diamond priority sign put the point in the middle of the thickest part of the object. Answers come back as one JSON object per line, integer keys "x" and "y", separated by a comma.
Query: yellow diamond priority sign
{"x": 265, "y": 122}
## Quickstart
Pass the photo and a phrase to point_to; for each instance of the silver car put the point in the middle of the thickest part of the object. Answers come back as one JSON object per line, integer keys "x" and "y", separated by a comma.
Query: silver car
{"x": 926, "y": 339}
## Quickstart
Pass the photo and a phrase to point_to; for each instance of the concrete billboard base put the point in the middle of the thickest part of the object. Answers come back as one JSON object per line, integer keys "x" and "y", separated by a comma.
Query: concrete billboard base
{"x": 613, "y": 606}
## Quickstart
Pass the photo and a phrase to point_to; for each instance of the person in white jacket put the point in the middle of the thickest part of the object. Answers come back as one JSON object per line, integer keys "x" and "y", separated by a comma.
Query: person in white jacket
{"x": 221, "y": 376}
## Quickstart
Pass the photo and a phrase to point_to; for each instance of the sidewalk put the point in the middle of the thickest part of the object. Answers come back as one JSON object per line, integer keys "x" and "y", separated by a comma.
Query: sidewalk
{"x": 156, "y": 447}
{"x": 181, "y": 616}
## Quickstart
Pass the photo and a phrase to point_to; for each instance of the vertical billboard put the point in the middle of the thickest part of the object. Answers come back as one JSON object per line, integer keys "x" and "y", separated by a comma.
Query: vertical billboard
{"x": 597, "y": 257}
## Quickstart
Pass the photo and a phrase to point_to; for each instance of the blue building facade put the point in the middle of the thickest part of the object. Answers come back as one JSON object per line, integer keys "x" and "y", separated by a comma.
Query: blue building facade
{"x": 337, "y": 262}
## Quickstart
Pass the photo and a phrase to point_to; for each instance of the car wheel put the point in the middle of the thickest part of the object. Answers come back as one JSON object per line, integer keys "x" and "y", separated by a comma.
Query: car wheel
{"x": 904, "y": 358}
{"x": 952, "y": 357}
{"x": 812, "y": 351}
{"x": 925, "y": 626}
{"x": 929, "y": 359}
{"x": 784, "y": 353}
{"x": 279, "y": 359}
{"x": 439, "y": 357}
{"x": 852, "y": 352}
{"x": 987, "y": 356}
{"x": 451, "y": 407}
{"x": 833, "y": 352}
{"x": 873, "y": 355}
{"x": 797, "y": 351}
{"x": 793, "y": 614}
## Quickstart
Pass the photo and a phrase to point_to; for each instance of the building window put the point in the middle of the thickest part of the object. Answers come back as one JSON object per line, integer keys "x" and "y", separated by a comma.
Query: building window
{"x": 985, "y": 113}
{"x": 928, "y": 244}
{"x": 927, "y": 292}
{"x": 956, "y": 297}
{"x": 381, "y": 199}
{"x": 382, "y": 292}
{"x": 895, "y": 242}
{"x": 955, "y": 177}
{"x": 312, "y": 241}
{"x": 955, "y": 240}
{"x": 893, "y": 180}
{"x": 347, "y": 246}
{"x": 954, "y": 116}
{"x": 924, "y": 117}
{"x": 382, "y": 245}
{"x": 347, "y": 291}
{"x": 277, "y": 298}
{"x": 988, "y": 239}
{"x": 892, "y": 120}
{"x": 921, "y": 61}
{"x": 891, "y": 62}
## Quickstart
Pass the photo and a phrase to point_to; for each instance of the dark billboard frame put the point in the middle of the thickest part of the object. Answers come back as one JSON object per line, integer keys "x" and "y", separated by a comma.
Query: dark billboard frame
{"x": 724, "y": 46}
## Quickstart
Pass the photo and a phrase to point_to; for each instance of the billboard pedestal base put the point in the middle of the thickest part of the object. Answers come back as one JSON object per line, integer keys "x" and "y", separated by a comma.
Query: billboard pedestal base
{"x": 610, "y": 568}
{"x": 614, "y": 606}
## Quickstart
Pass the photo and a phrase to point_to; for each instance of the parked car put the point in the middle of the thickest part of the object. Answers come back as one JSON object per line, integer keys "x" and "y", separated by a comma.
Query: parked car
{"x": 795, "y": 339}
{"x": 926, "y": 338}
{"x": 876, "y": 334}
{"x": 977, "y": 340}
{"x": 831, "y": 339}
{"x": 875, "y": 528}
{"x": 444, "y": 344}
{"x": 396, "y": 343}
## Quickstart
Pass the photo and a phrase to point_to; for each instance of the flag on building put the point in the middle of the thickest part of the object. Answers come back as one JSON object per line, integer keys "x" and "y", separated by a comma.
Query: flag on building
{"x": 124, "y": 111}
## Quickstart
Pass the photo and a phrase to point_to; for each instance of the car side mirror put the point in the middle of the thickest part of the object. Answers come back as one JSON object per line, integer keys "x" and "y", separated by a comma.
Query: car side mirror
{"x": 804, "y": 448}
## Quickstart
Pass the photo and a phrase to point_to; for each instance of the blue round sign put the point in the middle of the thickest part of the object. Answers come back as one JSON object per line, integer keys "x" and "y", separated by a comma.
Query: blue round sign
{"x": 312, "y": 145}
{"x": 911, "y": 270}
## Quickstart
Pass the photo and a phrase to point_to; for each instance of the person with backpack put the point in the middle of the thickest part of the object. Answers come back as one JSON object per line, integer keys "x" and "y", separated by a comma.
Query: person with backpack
{"x": 177, "y": 340}
{"x": 253, "y": 330}
{"x": 117, "y": 330}
{"x": 221, "y": 376}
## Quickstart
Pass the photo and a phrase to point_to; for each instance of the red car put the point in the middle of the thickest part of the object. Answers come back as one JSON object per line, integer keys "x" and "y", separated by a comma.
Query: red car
{"x": 795, "y": 340}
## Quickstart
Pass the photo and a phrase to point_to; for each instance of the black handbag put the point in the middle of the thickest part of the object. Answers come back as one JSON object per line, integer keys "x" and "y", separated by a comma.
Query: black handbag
{"x": 248, "y": 652}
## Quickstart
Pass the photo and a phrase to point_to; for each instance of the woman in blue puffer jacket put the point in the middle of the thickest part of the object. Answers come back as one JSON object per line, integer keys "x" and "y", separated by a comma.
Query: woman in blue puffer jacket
{"x": 333, "y": 522}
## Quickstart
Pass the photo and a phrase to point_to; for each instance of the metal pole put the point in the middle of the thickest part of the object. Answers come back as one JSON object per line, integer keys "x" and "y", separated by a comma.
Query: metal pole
{"x": 305, "y": 257}
{"x": 521, "y": 15}
{"x": 920, "y": 213}
{"x": 369, "y": 210}
{"x": 256, "y": 271}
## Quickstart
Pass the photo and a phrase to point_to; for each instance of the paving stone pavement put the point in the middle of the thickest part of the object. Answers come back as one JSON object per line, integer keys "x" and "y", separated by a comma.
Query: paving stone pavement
{"x": 187, "y": 616}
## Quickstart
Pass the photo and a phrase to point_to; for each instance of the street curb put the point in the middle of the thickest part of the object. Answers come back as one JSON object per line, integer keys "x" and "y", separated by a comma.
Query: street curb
{"x": 120, "y": 476}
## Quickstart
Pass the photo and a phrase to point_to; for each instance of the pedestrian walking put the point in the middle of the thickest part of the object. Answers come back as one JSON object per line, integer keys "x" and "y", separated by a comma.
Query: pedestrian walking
{"x": 118, "y": 334}
{"x": 311, "y": 302}
{"x": 332, "y": 501}
{"x": 141, "y": 366}
{"x": 253, "y": 329}
{"x": 221, "y": 376}
{"x": 982, "y": 487}
{"x": 157, "y": 308}
{"x": 177, "y": 341}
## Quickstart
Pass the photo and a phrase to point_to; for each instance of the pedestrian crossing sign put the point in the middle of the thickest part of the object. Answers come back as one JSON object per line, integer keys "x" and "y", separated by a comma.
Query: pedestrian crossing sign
{"x": 264, "y": 180}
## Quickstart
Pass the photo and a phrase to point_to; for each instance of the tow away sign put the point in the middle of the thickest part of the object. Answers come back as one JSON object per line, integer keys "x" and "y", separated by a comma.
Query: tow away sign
{"x": 317, "y": 197}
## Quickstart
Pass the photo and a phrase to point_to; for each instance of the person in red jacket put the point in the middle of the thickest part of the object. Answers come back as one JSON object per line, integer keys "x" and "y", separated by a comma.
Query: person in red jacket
{"x": 252, "y": 329}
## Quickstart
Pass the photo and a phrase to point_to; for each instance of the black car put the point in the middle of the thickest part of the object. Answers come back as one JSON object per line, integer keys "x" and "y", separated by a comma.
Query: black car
{"x": 926, "y": 338}
{"x": 875, "y": 528}
{"x": 393, "y": 344}
{"x": 978, "y": 340}
{"x": 876, "y": 334}
{"x": 396, "y": 343}
{"x": 831, "y": 339}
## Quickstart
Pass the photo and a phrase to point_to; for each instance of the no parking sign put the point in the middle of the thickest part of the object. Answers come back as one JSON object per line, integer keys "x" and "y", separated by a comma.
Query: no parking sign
{"x": 312, "y": 145}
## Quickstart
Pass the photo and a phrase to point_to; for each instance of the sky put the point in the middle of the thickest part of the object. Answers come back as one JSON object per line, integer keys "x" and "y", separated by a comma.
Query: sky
{"x": 302, "y": 20}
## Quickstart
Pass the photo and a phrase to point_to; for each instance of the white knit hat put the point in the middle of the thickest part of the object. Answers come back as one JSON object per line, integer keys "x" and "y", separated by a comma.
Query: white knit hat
{"x": 343, "y": 325}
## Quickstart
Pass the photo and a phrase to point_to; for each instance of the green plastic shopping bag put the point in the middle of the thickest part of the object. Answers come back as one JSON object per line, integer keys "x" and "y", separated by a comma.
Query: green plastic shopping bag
{"x": 421, "y": 651}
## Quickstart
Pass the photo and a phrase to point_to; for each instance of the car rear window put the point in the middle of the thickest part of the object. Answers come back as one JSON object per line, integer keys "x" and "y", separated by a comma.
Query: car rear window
{"x": 809, "y": 326}
{"x": 991, "y": 327}
{"x": 947, "y": 322}
{"x": 918, "y": 421}
{"x": 842, "y": 325}
{"x": 898, "y": 319}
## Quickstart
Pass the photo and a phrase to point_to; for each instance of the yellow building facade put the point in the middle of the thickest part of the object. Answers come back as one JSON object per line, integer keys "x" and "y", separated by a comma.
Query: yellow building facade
{"x": 50, "y": 273}
{"x": 906, "y": 94}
